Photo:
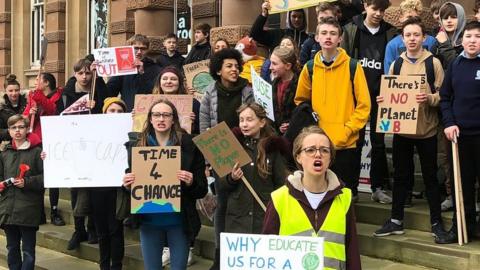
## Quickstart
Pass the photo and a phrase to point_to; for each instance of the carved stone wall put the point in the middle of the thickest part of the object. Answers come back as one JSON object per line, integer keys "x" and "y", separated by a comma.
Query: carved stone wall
{"x": 5, "y": 41}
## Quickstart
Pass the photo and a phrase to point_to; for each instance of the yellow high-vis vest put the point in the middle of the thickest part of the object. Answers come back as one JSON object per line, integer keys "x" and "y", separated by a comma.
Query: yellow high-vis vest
{"x": 294, "y": 221}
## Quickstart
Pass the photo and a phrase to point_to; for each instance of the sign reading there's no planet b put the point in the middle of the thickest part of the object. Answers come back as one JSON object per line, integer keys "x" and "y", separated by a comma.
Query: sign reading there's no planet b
{"x": 220, "y": 147}
{"x": 156, "y": 188}
{"x": 399, "y": 111}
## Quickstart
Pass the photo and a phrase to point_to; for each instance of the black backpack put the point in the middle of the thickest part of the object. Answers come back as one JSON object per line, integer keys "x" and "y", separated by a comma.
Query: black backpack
{"x": 429, "y": 70}
{"x": 302, "y": 116}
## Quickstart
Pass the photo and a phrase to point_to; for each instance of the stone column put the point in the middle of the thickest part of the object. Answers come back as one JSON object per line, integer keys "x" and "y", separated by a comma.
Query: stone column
{"x": 5, "y": 40}
{"x": 153, "y": 18}
{"x": 205, "y": 11}
{"x": 76, "y": 43}
{"x": 122, "y": 23}
{"x": 55, "y": 34}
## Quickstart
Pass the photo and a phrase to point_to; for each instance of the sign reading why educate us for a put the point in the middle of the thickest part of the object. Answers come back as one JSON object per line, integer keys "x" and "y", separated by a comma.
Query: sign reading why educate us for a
{"x": 85, "y": 150}
{"x": 115, "y": 61}
{"x": 398, "y": 113}
{"x": 262, "y": 92}
{"x": 183, "y": 104}
{"x": 156, "y": 188}
{"x": 286, "y": 5}
{"x": 254, "y": 251}
{"x": 220, "y": 147}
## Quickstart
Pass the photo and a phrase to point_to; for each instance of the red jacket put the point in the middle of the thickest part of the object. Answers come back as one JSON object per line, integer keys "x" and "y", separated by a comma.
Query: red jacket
{"x": 271, "y": 223}
{"x": 47, "y": 105}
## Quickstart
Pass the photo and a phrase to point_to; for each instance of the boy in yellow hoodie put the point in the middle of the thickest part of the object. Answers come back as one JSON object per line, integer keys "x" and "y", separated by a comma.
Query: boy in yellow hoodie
{"x": 342, "y": 104}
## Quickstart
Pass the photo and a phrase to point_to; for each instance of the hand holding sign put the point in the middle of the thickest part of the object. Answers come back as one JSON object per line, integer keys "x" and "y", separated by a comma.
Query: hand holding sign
{"x": 155, "y": 183}
{"x": 220, "y": 147}
{"x": 399, "y": 101}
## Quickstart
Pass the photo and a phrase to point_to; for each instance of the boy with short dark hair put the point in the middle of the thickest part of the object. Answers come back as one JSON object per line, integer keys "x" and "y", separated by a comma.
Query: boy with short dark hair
{"x": 365, "y": 39}
{"x": 310, "y": 47}
{"x": 435, "y": 10}
{"x": 408, "y": 9}
{"x": 416, "y": 60}
{"x": 170, "y": 56}
{"x": 142, "y": 82}
{"x": 342, "y": 103}
{"x": 460, "y": 109}
{"x": 201, "y": 50}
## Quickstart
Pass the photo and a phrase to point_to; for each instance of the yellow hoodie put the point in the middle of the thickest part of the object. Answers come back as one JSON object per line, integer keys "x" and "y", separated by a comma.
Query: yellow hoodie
{"x": 332, "y": 98}
{"x": 257, "y": 63}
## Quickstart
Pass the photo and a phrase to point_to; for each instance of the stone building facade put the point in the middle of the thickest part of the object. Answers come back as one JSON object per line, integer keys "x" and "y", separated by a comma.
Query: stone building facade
{"x": 74, "y": 27}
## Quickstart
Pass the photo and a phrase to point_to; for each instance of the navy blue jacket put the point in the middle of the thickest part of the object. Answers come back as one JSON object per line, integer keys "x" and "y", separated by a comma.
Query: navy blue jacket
{"x": 309, "y": 48}
{"x": 460, "y": 95}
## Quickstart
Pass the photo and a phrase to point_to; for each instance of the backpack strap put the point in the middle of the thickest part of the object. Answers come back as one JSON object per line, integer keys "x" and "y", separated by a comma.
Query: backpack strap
{"x": 310, "y": 69}
{"x": 353, "y": 70}
{"x": 397, "y": 66}
{"x": 430, "y": 72}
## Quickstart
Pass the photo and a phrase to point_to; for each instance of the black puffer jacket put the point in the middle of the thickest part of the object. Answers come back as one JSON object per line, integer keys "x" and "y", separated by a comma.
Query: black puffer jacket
{"x": 7, "y": 110}
{"x": 22, "y": 206}
{"x": 192, "y": 161}
{"x": 272, "y": 37}
{"x": 199, "y": 52}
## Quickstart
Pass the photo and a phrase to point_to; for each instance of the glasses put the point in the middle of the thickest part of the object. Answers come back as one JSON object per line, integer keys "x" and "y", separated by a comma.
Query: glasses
{"x": 312, "y": 151}
{"x": 17, "y": 127}
{"x": 140, "y": 48}
{"x": 158, "y": 115}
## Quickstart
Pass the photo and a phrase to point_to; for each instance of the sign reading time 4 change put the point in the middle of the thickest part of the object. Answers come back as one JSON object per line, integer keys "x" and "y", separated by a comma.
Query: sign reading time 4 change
{"x": 254, "y": 251}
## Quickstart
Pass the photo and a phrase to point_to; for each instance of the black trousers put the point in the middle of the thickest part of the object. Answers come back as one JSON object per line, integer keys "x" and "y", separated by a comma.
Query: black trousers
{"x": 469, "y": 155}
{"x": 109, "y": 229}
{"x": 378, "y": 155}
{"x": 403, "y": 151}
{"x": 27, "y": 237}
{"x": 343, "y": 166}
{"x": 80, "y": 221}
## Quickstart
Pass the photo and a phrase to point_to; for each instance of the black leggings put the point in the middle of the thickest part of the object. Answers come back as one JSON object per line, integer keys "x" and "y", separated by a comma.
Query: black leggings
{"x": 53, "y": 194}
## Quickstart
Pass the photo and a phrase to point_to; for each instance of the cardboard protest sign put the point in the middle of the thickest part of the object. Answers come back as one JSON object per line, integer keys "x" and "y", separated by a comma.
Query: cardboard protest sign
{"x": 365, "y": 163}
{"x": 256, "y": 251}
{"x": 220, "y": 147}
{"x": 262, "y": 92}
{"x": 115, "y": 61}
{"x": 286, "y": 5}
{"x": 85, "y": 150}
{"x": 79, "y": 106}
{"x": 156, "y": 188}
{"x": 398, "y": 113}
{"x": 183, "y": 104}
{"x": 198, "y": 75}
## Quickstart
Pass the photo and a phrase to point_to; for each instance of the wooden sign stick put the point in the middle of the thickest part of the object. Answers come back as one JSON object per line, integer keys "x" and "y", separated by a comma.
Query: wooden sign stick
{"x": 254, "y": 194}
{"x": 92, "y": 91}
{"x": 461, "y": 224}
{"x": 43, "y": 55}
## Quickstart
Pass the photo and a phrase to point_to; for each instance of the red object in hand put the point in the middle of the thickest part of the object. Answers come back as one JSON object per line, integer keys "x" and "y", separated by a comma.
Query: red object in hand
{"x": 23, "y": 169}
{"x": 2, "y": 186}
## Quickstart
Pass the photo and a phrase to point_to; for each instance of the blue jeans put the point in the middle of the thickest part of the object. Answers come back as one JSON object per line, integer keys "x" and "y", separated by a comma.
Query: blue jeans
{"x": 27, "y": 235}
{"x": 153, "y": 239}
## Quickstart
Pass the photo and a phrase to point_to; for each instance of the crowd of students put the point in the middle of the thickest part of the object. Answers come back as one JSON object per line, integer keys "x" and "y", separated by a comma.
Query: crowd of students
{"x": 308, "y": 176}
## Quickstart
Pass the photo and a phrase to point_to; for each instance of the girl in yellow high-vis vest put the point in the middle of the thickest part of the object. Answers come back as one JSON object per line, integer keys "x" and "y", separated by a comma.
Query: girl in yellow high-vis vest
{"x": 314, "y": 202}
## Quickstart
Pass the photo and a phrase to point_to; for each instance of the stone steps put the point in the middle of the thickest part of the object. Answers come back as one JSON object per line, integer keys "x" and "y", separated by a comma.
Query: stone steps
{"x": 47, "y": 259}
{"x": 414, "y": 250}
{"x": 55, "y": 239}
